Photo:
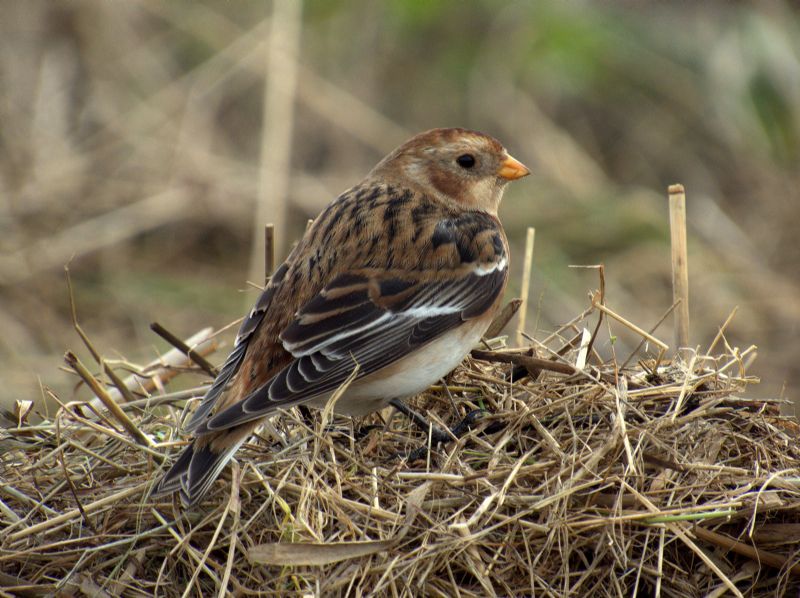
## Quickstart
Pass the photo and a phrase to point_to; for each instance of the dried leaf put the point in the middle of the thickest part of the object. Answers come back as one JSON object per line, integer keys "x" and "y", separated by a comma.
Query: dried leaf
{"x": 312, "y": 553}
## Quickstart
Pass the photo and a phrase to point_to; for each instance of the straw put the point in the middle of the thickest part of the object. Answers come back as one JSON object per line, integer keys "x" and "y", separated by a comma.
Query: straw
{"x": 607, "y": 481}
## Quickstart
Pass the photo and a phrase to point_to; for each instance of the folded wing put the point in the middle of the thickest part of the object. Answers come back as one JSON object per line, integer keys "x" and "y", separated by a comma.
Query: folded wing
{"x": 371, "y": 318}
{"x": 234, "y": 361}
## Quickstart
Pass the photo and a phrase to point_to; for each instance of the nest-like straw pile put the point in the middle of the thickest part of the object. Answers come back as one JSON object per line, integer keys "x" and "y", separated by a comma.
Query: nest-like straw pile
{"x": 654, "y": 479}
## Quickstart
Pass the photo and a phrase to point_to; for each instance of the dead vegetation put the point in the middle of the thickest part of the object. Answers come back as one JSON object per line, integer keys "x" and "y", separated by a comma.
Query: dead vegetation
{"x": 659, "y": 478}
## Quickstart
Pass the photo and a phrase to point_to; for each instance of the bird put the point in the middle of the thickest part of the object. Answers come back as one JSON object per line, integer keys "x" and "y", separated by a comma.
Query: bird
{"x": 390, "y": 287}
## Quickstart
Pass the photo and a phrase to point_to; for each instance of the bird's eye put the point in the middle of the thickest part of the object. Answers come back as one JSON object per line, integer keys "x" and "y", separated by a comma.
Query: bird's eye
{"x": 466, "y": 161}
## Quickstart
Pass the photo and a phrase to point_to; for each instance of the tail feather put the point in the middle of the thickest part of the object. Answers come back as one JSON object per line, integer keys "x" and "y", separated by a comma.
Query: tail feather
{"x": 171, "y": 480}
{"x": 205, "y": 467}
{"x": 195, "y": 470}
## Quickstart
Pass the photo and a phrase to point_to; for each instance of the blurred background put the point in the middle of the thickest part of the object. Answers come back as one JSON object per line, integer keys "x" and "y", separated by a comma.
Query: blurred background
{"x": 146, "y": 143}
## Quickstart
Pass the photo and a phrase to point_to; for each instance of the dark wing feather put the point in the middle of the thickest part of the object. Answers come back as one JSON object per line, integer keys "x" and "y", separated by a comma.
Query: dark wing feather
{"x": 234, "y": 361}
{"x": 371, "y": 319}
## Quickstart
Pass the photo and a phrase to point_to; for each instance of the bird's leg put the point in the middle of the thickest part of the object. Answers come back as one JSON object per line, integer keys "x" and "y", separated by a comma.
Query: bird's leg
{"x": 307, "y": 415}
{"x": 362, "y": 431}
{"x": 437, "y": 435}
{"x": 358, "y": 433}
{"x": 308, "y": 418}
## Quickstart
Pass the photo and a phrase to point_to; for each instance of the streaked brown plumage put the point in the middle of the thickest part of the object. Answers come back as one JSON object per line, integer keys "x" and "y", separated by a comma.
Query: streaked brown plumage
{"x": 400, "y": 274}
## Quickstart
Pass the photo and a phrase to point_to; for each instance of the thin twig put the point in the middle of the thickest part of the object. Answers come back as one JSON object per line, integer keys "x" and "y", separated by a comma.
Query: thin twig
{"x": 74, "y": 315}
{"x": 68, "y": 479}
{"x": 651, "y": 331}
{"x": 269, "y": 251}
{"x": 601, "y": 272}
{"x": 722, "y": 330}
{"x": 173, "y": 340}
{"x": 632, "y": 326}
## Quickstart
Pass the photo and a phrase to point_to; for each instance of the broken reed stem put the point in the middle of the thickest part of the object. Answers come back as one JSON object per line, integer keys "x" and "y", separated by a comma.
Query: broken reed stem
{"x": 526, "y": 283}
{"x": 100, "y": 392}
{"x": 269, "y": 251}
{"x": 751, "y": 552}
{"x": 526, "y": 361}
{"x": 165, "y": 367}
{"x": 680, "y": 267}
{"x": 503, "y": 318}
{"x": 173, "y": 340}
{"x": 119, "y": 384}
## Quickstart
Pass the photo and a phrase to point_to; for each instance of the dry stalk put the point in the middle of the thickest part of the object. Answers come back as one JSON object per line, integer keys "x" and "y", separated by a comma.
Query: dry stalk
{"x": 100, "y": 392}
{"x": 680, "y": 266}
{"x": 527, "y": 268}
{"x": 269, "y": 251}
{"x": 643, "y": 333}
{"x": 184, "y": 348}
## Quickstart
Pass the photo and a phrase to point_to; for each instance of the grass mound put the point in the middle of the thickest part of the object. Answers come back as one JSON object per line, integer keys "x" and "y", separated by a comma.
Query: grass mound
{"x": 651, "y": 478}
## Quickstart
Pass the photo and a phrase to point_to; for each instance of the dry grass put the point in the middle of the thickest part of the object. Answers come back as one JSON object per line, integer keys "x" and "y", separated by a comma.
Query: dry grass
{"x": 655, "y": 479}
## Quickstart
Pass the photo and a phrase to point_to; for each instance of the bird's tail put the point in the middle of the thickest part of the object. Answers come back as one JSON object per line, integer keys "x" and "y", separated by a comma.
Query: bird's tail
{"x": 195, "y": 470}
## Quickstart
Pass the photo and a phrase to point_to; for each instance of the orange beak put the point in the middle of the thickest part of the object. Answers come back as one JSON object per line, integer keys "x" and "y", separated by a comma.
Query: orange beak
{"x": 511, "y": 169}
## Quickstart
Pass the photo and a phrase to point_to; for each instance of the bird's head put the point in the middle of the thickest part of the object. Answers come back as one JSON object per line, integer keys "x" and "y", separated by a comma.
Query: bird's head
{"x": 458, "y": 166}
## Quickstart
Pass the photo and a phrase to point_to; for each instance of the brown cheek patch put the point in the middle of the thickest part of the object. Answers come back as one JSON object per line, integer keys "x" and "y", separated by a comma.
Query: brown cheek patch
{"x": 447, "y": 184}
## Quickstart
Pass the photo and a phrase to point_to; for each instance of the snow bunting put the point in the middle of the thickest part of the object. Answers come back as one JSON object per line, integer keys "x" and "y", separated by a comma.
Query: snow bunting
{"x": 399, "y": 277}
